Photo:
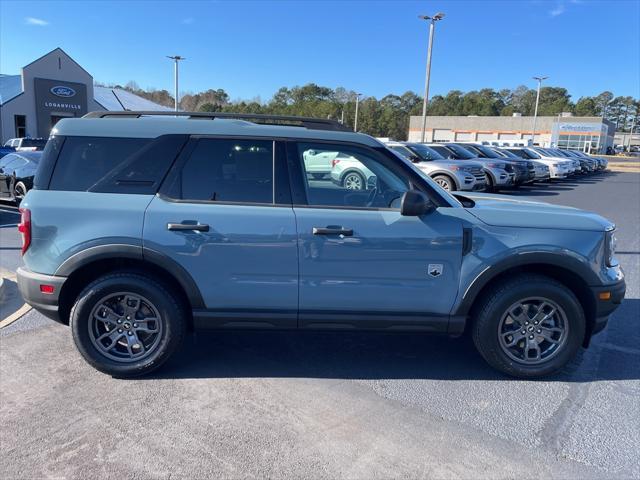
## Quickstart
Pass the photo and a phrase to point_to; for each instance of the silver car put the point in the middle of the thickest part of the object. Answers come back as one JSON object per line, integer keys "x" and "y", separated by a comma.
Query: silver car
{"x": 494, "y": 169}
{"x": 450, "y": 175}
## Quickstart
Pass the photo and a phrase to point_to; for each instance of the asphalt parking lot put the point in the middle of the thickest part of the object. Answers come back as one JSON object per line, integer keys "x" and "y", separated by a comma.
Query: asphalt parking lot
{"x": 269, "y": 404}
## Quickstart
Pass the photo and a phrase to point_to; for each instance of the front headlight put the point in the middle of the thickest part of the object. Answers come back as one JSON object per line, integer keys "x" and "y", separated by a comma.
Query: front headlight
{"x": 610, "y": 248}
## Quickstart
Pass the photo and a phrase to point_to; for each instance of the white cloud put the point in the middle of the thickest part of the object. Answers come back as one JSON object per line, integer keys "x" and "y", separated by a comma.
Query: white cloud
{"x": 559, "y": 10}
{"x": 35, "y": 21}
{"x": 187, "y": 21}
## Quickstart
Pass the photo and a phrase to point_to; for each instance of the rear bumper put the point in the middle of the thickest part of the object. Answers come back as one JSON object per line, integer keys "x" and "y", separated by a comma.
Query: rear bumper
{"x": 29, "y": 284}
{"x": 604, "y": 308}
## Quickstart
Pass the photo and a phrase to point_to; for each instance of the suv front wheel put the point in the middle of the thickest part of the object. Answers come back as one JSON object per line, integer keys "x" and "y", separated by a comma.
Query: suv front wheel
{"x": 127, "y": 324}
{"x": 529, "y": 326}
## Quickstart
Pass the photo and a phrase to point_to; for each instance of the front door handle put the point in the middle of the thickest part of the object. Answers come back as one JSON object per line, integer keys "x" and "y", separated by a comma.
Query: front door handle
{"x": 200, "y": 227}
{"x": 331, "y": 230}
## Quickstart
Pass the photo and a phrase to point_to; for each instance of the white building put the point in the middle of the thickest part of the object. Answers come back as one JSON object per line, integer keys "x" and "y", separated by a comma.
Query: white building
{"x": 54, "y": 87}
{"x": 563, "y": 131}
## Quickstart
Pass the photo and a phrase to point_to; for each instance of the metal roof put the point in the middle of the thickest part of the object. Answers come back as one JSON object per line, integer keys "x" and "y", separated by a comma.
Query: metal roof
{"x": 117, "y": 99}
{"x": 10, "y": 87}
{"x": 151, "y": 127}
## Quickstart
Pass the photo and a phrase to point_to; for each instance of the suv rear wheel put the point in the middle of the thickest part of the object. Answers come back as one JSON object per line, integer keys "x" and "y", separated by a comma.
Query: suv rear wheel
{"x": 127, "y": 324}
{"x": 353, "y": 181}
{"x": 529, "y": 326}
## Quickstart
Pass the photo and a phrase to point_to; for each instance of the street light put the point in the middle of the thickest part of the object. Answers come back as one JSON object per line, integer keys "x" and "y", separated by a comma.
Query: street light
{"x": 176, "y": 59}
{"x": 355, "y": 123}
{"x": 432, "y": 20}
{"x": 535, "y": 113}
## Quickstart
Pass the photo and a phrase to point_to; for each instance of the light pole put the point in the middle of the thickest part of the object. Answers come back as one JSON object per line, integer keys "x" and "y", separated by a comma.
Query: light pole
{"x": 432, "y": 20}
{"x": 535, "y": 113}
{"x": 355, "y": 123}
{"x": 176, "y": 59}
{"x": 633, "y": 125}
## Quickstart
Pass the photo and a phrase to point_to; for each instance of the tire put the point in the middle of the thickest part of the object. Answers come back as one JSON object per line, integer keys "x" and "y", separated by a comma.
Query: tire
{"x": 354, "y": 181}
{"x": 152, "y": 344}
{"x": 491, "y": 321}
{"x": 445, "y": 182}
{"x": 490, "y": 185}
{"x": 19, "y": 191}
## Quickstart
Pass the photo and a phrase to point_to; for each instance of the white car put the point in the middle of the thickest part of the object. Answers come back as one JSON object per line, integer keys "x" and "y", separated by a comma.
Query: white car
{"x": 545, "y": 153}
{"x": 558, "y": 168}
{"x": 319, "y": 163}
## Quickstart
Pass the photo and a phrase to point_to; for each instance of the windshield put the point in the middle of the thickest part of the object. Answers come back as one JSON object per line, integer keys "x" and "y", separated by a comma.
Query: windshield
{"x": 425, "y": 153}
{"x": 507, "y": 153}
{"x": 486, "y": 151}
{"x": 34, "y": 142}
{"x": 532, "y": 153}
{"x": 460, "y": 153}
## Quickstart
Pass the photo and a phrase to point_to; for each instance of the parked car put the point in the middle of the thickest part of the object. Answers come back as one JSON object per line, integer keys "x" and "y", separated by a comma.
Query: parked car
{"x": 495, "y": 171}
{"x": 541, "y": 170}
{"x": 601, "y": 162}
{"x": 26, "y": 144}
{"x": 319, "y": 164}
{"x": 558, "y": 168}
{"x": 450, "y": 175}
{"x": 554, "y": 155}
{"x": 523, "y": 170}
{"x": 582, "y": 165}
{"x": 6, "y": 151}
{"x": 140, "y": 228}
{"x": 16, "y": 175}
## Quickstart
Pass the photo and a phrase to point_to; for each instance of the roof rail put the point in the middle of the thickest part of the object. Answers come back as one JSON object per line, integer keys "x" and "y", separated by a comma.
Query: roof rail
{"x": 288, "y": 120}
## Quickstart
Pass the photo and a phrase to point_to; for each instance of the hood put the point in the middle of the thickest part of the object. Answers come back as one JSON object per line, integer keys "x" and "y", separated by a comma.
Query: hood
{"x": 451, "y": 164}
{"x": 508, "y": 211}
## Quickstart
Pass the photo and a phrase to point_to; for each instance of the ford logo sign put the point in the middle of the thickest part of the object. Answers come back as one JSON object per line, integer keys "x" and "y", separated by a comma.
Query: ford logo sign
{"x": 61, "y": 91}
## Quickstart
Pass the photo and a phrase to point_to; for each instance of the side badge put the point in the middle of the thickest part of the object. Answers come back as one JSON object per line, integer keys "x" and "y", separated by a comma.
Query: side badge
{"x": 435, "y": 269}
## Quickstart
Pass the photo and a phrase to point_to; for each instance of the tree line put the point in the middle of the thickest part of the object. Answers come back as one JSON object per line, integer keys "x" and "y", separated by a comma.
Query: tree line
{"x": 389, "y": 115}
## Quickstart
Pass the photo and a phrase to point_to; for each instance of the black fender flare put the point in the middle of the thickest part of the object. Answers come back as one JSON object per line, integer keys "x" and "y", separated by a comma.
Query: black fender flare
{"x": 557, "y": 260}
{"x": 135, "y": 252}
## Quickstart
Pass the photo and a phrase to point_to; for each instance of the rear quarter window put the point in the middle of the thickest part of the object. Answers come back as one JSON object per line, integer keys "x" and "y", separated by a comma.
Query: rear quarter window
{"x": 85, "y": 160}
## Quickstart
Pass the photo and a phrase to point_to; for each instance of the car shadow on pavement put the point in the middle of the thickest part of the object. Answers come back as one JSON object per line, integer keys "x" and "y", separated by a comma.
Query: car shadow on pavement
{"x": 368, "y": 356}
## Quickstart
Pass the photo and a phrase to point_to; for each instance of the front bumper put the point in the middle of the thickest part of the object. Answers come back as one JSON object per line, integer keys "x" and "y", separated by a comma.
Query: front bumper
{"x": 30, "y": 286}
{"x": 607, "y": 299}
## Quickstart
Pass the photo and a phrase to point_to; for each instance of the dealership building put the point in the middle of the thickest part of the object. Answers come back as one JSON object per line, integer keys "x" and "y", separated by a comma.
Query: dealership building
{"x": 54, "y": 87}
{"x": 563, "y": 131}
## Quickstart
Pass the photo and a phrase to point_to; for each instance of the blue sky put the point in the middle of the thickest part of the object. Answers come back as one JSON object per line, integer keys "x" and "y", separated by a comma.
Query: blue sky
{"x": 250, "y": 49}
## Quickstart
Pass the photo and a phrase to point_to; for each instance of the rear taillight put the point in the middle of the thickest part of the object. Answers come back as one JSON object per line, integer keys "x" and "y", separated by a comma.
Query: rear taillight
{"x": 24, "y": 227}
{"x": 334, "y": 162}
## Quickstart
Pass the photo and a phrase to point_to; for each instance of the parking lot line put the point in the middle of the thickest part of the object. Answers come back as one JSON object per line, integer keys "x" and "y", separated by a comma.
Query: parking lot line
{"x": 24, "y": 309}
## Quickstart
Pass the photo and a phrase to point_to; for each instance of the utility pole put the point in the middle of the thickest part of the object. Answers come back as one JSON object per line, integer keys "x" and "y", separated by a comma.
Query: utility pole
{"x": 535, "y": 113}
{"x": 432, "y": 20}
{"x": 176, "y": 59}
{"x": 355, "y": 123}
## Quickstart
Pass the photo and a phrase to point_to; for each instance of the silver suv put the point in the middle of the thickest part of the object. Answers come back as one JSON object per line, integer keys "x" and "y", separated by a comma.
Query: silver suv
{"x": 450, "y": 175}
{"x": 495, "y": 170}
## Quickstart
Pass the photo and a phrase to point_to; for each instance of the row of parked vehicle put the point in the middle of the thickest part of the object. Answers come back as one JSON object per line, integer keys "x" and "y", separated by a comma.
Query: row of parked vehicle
{"x": 463, "y": 166}
{"x": 470, "y": 166}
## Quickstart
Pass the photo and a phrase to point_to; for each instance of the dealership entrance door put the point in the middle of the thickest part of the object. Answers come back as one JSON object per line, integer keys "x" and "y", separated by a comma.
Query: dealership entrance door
{"x": 56, "y": 117}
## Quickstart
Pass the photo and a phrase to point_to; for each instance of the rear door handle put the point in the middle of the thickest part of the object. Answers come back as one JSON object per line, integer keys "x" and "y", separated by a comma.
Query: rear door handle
{"x": 200, "y": 227}
{"x": 347, "y": 232}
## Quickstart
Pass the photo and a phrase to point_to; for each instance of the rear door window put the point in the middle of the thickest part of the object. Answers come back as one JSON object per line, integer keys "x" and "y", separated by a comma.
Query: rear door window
{"x": 227, "y": 170}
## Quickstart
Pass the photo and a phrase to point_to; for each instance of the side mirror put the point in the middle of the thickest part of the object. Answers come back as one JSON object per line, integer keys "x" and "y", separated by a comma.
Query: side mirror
{"x": 415, "y": 203}
{"x": 415, "y": 158}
